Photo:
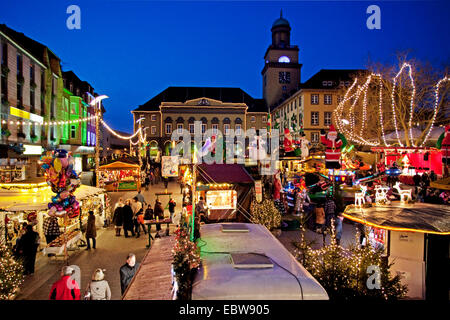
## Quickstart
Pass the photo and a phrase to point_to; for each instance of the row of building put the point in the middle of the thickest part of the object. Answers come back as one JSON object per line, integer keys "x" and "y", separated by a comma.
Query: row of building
{"x": 289, "y": 102}
{"x": 42, "y": 108}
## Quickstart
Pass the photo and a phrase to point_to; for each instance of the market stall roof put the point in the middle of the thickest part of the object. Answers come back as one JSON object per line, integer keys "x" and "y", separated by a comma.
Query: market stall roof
{"x": 277, "y": 276}
{"x": 223, "y": 173}
{"x": 417, "y": 217}
{"x": 119, "y": 165}
{"x": 31, "y": 201}
{"x": 443, "y": 184}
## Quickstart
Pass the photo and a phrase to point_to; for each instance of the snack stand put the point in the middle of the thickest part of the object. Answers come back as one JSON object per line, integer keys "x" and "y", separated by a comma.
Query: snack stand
{"x": 416, "y": 238}
{"x": 19, "y": 202}
{"x": 120, "y": 176}
{"x": 226, "y": 188}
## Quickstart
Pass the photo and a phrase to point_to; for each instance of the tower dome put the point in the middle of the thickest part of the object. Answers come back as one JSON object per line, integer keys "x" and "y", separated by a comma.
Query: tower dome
{"x": 281, "y": 32}
{"x": 281, "y": 21}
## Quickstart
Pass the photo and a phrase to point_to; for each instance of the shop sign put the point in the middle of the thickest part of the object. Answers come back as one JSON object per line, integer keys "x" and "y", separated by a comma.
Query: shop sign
{"x": 258, "y": 190}
{"x": 32, "y": 150}
{"x": 169, "y": 166}
{"x": 25, "y": 115}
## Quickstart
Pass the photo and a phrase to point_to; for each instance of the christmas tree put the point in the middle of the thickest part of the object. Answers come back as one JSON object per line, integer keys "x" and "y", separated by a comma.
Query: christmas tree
{"x": 11, "y": 273}
{"x": 265, "y": 213}
{"x": 186, "y": 259}
{"x": 346, "y": 274}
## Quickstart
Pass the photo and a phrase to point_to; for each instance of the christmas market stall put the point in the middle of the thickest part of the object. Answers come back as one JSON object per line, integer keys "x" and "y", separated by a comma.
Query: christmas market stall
{"x": 226, "y": 188}
{"x": 415, "y": 237}
{"x": 120, "y": 176}
{"x": 29, "y": 203}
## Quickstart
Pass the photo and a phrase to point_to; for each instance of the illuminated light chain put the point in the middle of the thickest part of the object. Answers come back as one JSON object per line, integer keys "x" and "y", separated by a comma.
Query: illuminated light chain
{"x": 380, "y": 108}
{"x": 118, "y": 135}
{"x": 411, "y": 109}
{"x": 338, "y": 112}
{"x": 51, "y": 123}
{"x": 364, "y": 113}
{"x": 436, "y": 97}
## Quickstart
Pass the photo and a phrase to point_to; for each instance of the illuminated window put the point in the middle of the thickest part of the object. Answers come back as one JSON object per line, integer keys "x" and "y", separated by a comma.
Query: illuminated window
{"x": 226, "y": 128}
{"x": 203, "y": 128}
{"x": 314, "y": 137}
{"x": 314, "y": 118}
{"x": 191, "y": 128}
{"x": 327, "y": 119}
{"x": 153, "y": 117}
{"x": 153, "y": 129}
{"x": 215, "y": 128}
{"x": 168, "y": 128}
{"x": 180, "y": 128}
{"x": 314, "y": 99}
{"x": 327, "y": 99}
{"x": 253, "y": 119}
{"x": 238, "y": 129}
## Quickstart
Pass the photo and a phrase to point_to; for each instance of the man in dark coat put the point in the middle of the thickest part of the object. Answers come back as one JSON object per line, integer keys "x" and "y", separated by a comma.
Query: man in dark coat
{"x": 127, "y": 272}
{"x": 27, "y": 248}
{"x": 159, "y": 213}
{"x": 91, "y": 231}
{"x": 128, "y": 219}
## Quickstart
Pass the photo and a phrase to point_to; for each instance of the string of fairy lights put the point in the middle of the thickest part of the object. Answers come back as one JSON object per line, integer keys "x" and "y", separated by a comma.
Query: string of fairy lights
{"x": 352, "y": 97}
{"x": 48, "y": 123}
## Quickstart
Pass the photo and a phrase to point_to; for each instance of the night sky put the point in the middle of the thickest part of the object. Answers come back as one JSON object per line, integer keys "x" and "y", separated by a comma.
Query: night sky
{"x": 132, "y": 50}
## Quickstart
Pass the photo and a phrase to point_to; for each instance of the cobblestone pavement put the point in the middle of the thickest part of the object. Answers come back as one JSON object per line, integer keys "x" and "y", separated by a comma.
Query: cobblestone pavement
{"x": 110, "y": 254}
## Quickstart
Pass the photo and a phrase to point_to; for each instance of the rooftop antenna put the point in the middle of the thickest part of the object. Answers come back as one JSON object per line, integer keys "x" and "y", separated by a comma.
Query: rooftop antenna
{"x": 281, "y": 13}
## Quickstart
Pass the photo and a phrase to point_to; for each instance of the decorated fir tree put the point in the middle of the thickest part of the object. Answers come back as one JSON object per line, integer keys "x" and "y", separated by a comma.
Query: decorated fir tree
{"x": 11, "y": 273}
{"x": 346, "y": 274}
{"x": 186, "y": 259}
{"x": 265, "y": 213}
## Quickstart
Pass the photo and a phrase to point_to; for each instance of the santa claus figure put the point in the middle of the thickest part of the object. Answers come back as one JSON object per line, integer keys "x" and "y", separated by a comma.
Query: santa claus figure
{"x": 333, "y": 151}
{"x": 288, "y": 143}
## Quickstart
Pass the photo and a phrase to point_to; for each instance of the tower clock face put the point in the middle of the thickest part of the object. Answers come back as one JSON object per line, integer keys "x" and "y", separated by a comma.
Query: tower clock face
{"x": 284, "y": 77}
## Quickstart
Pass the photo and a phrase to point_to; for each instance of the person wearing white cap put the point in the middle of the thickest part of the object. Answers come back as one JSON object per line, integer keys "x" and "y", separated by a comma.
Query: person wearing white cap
{"x": 65, "y": 288}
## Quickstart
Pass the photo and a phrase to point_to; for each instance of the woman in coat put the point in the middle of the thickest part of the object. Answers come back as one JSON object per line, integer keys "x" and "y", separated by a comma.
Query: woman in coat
{"x": 159, "y": 213}
{"x": 98, "y": 289}
{"x": 91, "y": 231}
{"x": 118, "y": 217}
{"x": 128, "y": 218}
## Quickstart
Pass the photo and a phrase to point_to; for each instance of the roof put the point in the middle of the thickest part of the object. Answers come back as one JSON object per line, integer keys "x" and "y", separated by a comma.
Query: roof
{"x": 223, "y": 173}
{"x": 224, "y": 94}
{"x": 281, "y": 21}
{"x": 36, "y": 49}
{"x": 418, "y": 217}
{"x": 217, "y": 279}
{"x": 119, "y": 165}
{"x": 334, "y": 75}
{"x": 20, "y": 201}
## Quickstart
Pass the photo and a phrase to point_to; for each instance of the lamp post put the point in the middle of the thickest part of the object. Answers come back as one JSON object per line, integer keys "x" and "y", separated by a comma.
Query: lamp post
{"x": 96, "y": 103}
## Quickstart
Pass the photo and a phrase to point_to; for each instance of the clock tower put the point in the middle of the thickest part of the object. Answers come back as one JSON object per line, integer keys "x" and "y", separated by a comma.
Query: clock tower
{"x": 281, "y": 72}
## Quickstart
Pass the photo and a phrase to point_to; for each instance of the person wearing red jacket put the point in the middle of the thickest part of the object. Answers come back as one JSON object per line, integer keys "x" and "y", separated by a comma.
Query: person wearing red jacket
{"x": 333, "y": 151}
{"x": 65, "y": 288}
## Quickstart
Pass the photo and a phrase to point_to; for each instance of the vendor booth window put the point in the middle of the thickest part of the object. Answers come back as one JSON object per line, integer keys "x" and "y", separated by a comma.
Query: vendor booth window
{"x": 168, "y": 128}
{"x": 314, "y": 118}
{"x": 221, "y": 199}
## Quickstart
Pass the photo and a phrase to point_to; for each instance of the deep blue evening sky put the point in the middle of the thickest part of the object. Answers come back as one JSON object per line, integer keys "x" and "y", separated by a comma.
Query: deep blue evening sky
{"x": 132, "y": 50}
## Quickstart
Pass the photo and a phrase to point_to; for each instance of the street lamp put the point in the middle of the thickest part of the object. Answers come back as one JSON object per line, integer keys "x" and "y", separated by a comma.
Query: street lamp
{"x": 96, "y": 103}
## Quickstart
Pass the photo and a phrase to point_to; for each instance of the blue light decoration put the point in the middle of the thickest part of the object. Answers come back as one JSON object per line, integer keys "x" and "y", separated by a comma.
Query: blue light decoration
{"x": 393, "y": 172}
